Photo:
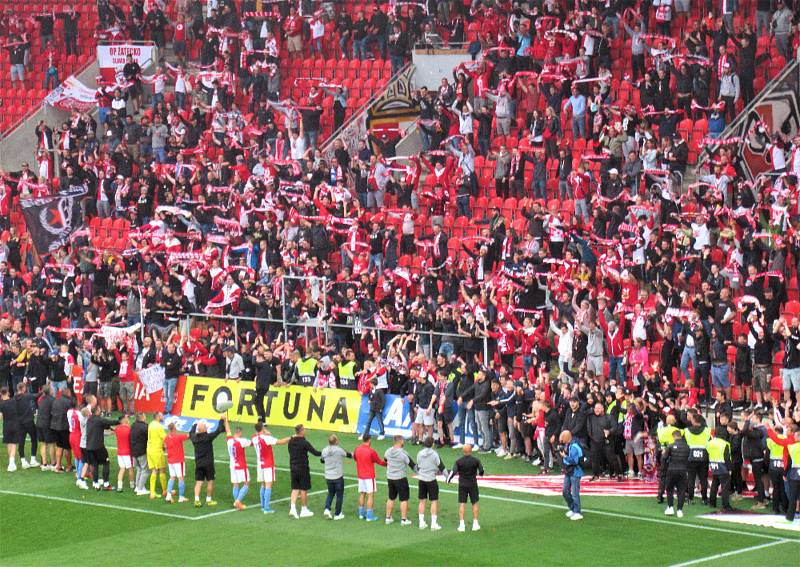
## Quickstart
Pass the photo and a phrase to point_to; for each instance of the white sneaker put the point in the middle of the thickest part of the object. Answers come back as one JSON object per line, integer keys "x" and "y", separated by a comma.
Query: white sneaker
{"x": 306, "y": 513}
{"x": 423, "y": 526}
{"x": 12, "y": 467}
{"x": 461, "y": 528}
{"x": 45, "y": 468}
{"x": 327, "y": 513}
{"x": 405, "y": 522}
{"x": 501, "y": 453}
{"x": 293, "y": 514}
{"x": 389, "y": 521}
{"x": 339, "y": 517}
{"x": 144, "y": 492}
{"x": 183, "y": 499}
{"x": 82, "y": 485}
{"x": 669, "y": 511}
{"x": 34, "y": 462}
{"x": 679, "y": 513}
{"x": 536, "y": 462}
{"x": 576, "y": 517}
{"x": 436, "y": 527}
{"x": 476, "y": 526}
{"x": 457, "y": 446}
{"x": 570, "y": 513}
{"x": 169, "y": 498}
{"x": 24, "y": 464}
{"x": 381, "y": 437}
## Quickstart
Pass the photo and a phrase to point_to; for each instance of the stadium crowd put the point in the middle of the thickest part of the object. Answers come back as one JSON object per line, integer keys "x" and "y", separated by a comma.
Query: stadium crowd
{"x": 644, "y": 300}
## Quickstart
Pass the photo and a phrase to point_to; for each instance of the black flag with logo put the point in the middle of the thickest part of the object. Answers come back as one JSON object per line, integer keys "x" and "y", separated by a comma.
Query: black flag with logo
{"x": 52, "y": 220}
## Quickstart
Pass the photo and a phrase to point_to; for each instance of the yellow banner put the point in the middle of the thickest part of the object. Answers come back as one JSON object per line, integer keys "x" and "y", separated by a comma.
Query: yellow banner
{"x": 326, "y": 409}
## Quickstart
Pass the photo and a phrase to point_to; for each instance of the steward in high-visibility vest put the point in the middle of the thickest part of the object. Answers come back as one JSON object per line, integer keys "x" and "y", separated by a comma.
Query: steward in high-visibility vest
{"x": 665, "y": 439}
{"x": 347, "y": 375}
{"x": 697, "y": 437}
{"x": 793, "y": 477}
{"x": 775, "y": 449}
{"x": 719, "y": 460}
{"x": 307, "y": 370}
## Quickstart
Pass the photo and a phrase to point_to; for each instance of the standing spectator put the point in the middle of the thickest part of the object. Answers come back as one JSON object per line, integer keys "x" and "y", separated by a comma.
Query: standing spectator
{"x": 16, "y": 51}
{"x": 293, "y": 28}
{"x": 729, "y": 90}
{"x": 479, "y": 395}
{"x": 782, "y": 28}
{"x": 577, "y": 103}
{"x": 70, "y": 18}
{"x": 571, "y": 458}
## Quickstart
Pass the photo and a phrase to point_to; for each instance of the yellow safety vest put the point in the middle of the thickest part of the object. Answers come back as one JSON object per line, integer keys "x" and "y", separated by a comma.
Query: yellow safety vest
{"x": 665, "y": 435}
{"x": 307, "y": 368}
{"x": 794, "y": 454}
{"x": 346, "y": 370}
{"x": 775, "y": 453}
{"x": 697, "y": 444}
{"x": 716, "y": 450}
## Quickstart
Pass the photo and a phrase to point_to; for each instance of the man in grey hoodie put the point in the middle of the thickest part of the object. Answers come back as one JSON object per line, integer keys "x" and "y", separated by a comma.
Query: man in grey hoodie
{"x": 428, "y": 464}
{"x": 333, "y": 458}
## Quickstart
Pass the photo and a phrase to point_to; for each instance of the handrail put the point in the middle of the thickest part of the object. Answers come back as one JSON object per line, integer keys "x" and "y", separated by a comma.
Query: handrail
{"x": 357, "y": 113}
{"x": 34, "y": 109}
{"x": 737, "y": 123}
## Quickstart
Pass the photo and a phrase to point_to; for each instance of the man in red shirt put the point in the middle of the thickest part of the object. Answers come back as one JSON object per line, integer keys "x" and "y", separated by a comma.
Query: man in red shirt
{"x": 175, "y": 462}
{"x": 366, "y": 458}
{"x": 293, "y": 28}
{"x": 124, "y": 460}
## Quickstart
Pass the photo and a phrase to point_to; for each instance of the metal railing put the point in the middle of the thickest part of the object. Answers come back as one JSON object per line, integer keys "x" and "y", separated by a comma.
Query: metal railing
{"x": 311, "y": 329}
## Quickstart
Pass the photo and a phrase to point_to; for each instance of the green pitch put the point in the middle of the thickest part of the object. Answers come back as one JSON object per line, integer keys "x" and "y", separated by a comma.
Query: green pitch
{"x": 46, "y": 520}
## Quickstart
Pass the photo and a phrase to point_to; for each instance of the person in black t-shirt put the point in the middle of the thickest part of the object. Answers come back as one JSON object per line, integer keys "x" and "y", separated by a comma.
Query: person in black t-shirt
{"x": 299, "y": 448}
{"x": 266, "y": 375}
{"x": 467, "y": 468}
{"x": 8, "y": 407}
{"x": 203, "y": 442}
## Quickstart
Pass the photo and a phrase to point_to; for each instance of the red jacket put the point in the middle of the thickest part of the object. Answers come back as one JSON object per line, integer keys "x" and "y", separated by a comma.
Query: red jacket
{"x": 613, "y": 341}
{"x": 366, "y": 458}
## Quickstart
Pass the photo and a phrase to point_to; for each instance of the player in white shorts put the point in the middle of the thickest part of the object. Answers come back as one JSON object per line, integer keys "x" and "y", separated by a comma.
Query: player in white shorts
{"x": 240, "y": 475}
{"x": 265, "y": 460}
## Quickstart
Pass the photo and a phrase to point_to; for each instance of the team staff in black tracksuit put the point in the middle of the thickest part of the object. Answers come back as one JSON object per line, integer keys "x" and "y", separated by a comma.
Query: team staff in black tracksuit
{"x": 266, "y": 376}
{"x": 25, "y": 405}
{"x": 43, "y": 433}
{"x": 600, "y": 428}
{"x": 675, "y": 459}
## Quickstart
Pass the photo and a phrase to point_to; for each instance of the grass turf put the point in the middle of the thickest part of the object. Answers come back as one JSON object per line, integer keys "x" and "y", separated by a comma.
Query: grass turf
{"x": 516, "y": 528}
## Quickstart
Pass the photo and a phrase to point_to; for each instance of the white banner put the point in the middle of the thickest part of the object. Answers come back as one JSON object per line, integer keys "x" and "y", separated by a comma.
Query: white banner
{"x": 152, "y": 378}
{"x": 112, "y": 58}
{"x": 114, "y": 334}
{"x": 72, "y": 95}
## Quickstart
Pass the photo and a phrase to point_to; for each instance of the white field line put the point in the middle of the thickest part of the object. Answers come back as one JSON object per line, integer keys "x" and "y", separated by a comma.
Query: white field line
{"x": 730, "y": 553}
{"x": 254, "y": 507}
{"x": 674, "y": 523}
{"x": 96, "y": 504}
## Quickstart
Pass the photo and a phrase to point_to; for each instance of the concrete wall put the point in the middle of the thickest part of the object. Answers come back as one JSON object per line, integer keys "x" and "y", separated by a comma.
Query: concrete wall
{"x": 20, "y": 145}
{"x": 433, "y": 64}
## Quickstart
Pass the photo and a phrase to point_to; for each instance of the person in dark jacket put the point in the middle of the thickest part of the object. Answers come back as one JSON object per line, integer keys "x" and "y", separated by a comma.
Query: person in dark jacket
{"x": 675, "y": 459}
{"x": 139, "y": 453}
{"x": 600, "y": 428}
{"x": 172, "y": 362}
{"x": 466, "y": 414}
{"x": 43, "y": 432}
{"x": 266, "y": 376}
{"x": 96, "y": 454}
{"x": 377, "y": 400}
{"x": 60, "y": 427}
{"x": 575, "y": 421}
{"x": 754, "y": 441}
{"x": 481, "y": 393}
{"x": 26, "y": 403}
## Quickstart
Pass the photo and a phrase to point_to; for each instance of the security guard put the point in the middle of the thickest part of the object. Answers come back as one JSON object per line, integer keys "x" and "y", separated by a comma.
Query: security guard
{"x": 775, "y": 451}
{"x": 675, "y": 460}
{"x": 665, "y": 439}
{"x": 793, "y": 476}
{"x": 697, "y": 436}
{"x": 347, "y": 371}
{"x": 305, "y": 369}
{"x": 719, "y": 459}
